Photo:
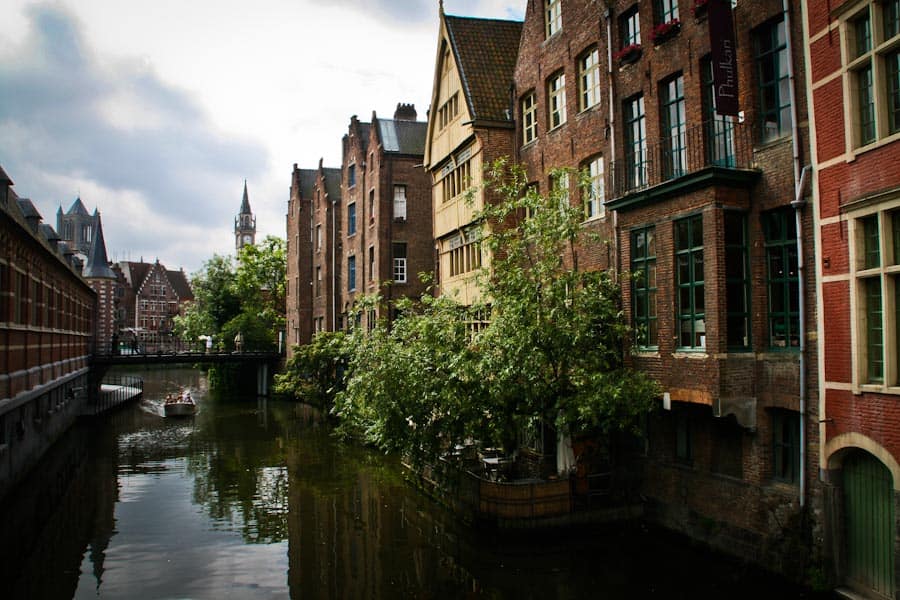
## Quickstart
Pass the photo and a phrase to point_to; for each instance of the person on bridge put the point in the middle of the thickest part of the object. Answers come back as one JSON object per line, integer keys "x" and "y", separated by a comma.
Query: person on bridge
{"x": 239, "y": 342}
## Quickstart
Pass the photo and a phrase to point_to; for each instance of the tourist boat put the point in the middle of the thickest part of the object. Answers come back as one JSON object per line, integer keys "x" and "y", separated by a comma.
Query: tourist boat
{"x": 180, "y": 406}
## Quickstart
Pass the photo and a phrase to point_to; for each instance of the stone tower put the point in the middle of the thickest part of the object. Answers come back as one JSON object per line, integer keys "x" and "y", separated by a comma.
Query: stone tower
{"x": 244, "y": 224}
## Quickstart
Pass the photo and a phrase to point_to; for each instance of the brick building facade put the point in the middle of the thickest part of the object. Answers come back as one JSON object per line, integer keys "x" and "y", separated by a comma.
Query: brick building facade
{"x": 698, "y": 207}
{"x": 46, "y": 318}
{"x": 362, "y": 229}
{"x": 854, "y": 91}
{"x": 153, "y": 297}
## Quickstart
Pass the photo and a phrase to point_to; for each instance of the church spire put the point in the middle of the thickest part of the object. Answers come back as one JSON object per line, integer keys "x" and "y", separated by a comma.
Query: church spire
{"x": 245, "y": 203}
{"x": 97, "y": 265}
{"x": 244, "y": 223}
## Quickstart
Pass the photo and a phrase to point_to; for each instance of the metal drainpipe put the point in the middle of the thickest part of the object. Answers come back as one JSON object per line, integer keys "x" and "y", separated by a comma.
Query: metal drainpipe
{"x": 798, "y": 203}
{"x": 612, "y": 136}
{"x": 334, "y": 281}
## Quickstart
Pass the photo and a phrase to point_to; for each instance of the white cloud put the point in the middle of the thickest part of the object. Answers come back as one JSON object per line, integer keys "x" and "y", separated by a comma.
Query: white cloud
{"x": 161, "y": 107}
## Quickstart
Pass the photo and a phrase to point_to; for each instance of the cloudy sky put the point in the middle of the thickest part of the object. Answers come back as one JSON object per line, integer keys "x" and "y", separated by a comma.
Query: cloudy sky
{"x": 155, "y": 111}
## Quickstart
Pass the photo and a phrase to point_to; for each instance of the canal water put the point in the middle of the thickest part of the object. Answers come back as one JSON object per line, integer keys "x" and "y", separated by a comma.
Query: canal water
{"x": 254, "y": 499}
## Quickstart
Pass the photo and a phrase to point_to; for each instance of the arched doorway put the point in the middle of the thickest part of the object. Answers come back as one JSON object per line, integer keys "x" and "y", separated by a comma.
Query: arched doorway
{"x": 869, "y": 523}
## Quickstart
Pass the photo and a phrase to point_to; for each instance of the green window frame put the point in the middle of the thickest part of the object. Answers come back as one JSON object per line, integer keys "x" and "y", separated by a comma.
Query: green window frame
{"x": 674, "y": 126}
{"x": 689, "y": 281}
{"x": 865, "y": 103}
{"x": 874, "y": 330}
{"x": 630, "y": 27}
{"x": 666, "y": 11}
{"x": 643, "y": 268}
{"x": 636, "y": 158}
{"x": 737, "y": 281}
{"x": 782, "y": 279}
{"x": 785, "y": 446}
{"x": 719, "y": 128}
{"x": 771, "y": 58}
{"x": 891, "y": 18}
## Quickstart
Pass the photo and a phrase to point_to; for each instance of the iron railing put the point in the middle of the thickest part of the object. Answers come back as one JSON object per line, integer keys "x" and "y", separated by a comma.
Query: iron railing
{"x": 721, "y": 142}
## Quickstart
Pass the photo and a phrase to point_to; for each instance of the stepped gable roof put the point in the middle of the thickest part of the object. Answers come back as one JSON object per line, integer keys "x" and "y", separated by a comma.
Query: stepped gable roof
{"x": 333, "y": 182}
{"x": 485, "y": 52}
{"x": 245, "y": 202}
{"x": 307, "y": 182}
{"x": 180, "y": 284}
{"x": 78, "y": 208}
{"x": 4, "y": 178}
{"x": 136, "y": 273}
{"x": 97, "y": 265}
{"x": 402, "y": 137}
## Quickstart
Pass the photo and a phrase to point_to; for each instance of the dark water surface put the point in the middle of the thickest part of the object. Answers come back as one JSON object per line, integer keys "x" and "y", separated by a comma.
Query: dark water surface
{"x": 254, "y": 499}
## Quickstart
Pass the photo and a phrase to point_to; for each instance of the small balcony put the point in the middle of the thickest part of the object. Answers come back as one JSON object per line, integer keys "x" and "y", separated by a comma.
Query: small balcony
{"x": 716, "y": 152}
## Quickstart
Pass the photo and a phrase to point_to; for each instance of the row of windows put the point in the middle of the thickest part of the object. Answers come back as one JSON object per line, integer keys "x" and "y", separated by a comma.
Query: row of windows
{"x": 782, "y": 282}
{"x": 665, "y": 11}
{"x": 770, "y": 59}
{"x": 26, "y": 301}
{"x": 398, "y": 251}
{"x": 594, "y": 196}
{"x": 448, "y": 111}
{"x": 872, "y": 48}
{"x": 399, "y": 214}
{"x": 456, "y": 176}
{"x": 727, "y": 444}
{"x": 464, "y": 253}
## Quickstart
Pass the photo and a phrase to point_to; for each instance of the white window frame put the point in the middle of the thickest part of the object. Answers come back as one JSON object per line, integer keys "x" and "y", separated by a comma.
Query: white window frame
{"x": 887, "y": 272}
{"x": 400, "y": 202}
{"x": 589, "y": 79}
{"x": 529, "y": 118}
{"x": 552, "y": 17}
{"x": 556, "y": 100}
{"x": 595, "y": 194}
{"x": 875, "y": 58}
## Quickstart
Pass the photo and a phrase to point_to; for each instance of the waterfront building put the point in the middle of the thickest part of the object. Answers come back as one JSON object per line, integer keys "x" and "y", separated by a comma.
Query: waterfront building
{"x": 244, "y": 224}
{"x": 104, "y": 280}
{"x": 470, "y": 124}
{"x": 46, "y": 319}
{"x": 153, "y": 297}
{"x": 854, "y": 95}
{"x": 363, "y": 228}
{"x": 710, "y": 245}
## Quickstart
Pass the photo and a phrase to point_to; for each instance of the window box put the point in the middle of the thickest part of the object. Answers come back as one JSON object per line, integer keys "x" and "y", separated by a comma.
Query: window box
{"x": 699, "y": 9}
{"x": 665, "y": 31}
{"x": 629, "y": 54}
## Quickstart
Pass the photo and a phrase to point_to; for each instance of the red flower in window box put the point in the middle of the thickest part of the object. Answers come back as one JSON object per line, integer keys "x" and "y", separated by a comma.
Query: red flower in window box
{"x": 665, "y": 31}
{"x": 628, "y": 54}
{"x": 699, "y": 8}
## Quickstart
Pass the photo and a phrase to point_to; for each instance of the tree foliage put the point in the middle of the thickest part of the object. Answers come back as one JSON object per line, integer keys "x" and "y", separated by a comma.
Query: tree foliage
{"x": 314, "y": 373}
{"x": 552, "y": 352}
{"x": 246, "y": 298}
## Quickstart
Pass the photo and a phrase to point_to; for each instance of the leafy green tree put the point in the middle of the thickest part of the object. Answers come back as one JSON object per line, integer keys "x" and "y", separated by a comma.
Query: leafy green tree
{"x": 314, "y": 373}
{"x": 552, "y": 353}
{"x": 216, "y": 300}
{"x": 261, "y": 277}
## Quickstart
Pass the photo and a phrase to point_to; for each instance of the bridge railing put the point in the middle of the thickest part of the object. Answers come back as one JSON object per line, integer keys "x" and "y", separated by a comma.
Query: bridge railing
{"x": 167, "y": 346}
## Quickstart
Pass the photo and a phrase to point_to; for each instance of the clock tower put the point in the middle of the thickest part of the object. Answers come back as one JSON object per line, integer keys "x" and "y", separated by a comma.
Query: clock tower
{"x": 244, "y": 224}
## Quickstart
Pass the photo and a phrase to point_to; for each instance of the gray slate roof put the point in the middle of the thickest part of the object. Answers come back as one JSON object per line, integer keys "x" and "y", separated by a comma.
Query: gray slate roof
{"x": 403, "y": 137}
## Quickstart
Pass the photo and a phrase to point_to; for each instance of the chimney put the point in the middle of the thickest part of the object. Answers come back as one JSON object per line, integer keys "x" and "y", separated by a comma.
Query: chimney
{"x": 405, "y": 112}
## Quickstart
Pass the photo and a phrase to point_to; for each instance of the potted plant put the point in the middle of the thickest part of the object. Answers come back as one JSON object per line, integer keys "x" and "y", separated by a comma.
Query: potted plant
{"x": 628, "y": 54}
{"x": 665, "y": 31}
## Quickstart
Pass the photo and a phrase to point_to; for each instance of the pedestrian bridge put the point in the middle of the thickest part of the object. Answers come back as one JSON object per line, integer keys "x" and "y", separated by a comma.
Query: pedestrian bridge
{"x": 173, "y": 351}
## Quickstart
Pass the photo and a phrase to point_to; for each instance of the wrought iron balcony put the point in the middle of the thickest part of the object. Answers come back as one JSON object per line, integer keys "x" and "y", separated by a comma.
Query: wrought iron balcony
{"x": 714, "y": 147}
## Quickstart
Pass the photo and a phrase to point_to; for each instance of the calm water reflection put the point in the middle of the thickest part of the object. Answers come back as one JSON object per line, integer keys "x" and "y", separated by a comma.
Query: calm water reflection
{"x": 253, "y": 499}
